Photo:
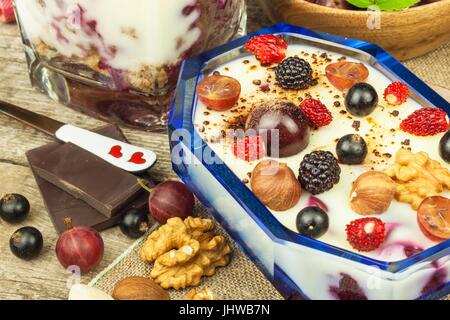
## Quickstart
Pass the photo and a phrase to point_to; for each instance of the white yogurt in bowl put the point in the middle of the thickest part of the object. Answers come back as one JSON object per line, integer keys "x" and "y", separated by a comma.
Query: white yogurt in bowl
{"x": 380, "y": 130}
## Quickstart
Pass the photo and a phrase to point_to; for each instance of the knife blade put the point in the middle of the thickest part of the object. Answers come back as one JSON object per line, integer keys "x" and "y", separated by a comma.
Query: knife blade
{"x": 37, "y": 121}
{"x": 120, "y": 154}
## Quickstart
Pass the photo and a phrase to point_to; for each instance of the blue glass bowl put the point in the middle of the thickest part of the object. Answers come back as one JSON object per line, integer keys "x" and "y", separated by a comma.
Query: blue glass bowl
{"x": 299, "y": 267}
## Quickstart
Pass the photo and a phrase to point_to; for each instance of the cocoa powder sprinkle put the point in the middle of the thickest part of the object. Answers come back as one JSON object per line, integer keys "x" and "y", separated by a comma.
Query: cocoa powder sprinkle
{"x": 356, "y": 125}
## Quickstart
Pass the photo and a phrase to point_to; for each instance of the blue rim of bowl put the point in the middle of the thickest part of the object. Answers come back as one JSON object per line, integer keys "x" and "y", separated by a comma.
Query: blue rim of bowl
{"x": 181, "y": 118}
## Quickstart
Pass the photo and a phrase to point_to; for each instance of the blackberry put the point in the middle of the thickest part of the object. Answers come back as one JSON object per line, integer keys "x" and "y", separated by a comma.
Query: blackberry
{"x": 294, "y": 73}
{"x": 319, "y": 172}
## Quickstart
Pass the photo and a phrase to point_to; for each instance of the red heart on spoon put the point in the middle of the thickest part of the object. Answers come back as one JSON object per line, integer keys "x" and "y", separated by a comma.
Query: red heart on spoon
{"x": 137, "y": 158}
{"x": 116, "y": 152}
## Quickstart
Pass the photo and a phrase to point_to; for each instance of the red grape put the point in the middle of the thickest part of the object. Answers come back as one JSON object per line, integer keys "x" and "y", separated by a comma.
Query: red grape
{"x": 80, "y": 246}
{"x": 219, "y": 92}
{"x": 343, "y": 75}
{"x": 434, "y": 218}
{"x": 282, "y": 125}
{"x": 171, "y": 199}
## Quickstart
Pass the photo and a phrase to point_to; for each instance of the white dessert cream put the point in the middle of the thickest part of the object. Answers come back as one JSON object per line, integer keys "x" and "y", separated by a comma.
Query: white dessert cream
{"x": 127, "y": 34}
{"x": 136, "y": 44}
{"x": 380, "y": 130}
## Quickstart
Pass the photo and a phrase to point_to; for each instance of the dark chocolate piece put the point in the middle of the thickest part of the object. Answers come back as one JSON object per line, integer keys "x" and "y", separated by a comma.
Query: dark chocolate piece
{"x": 88, "y": 177}
{"x": 61, "y": 204}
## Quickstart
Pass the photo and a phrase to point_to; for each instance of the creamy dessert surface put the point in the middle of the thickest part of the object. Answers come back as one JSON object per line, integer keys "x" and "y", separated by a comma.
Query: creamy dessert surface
{"x": 380, "y": 130}
{"x": 138, "y": 44}
{"x": 133, "y": 30}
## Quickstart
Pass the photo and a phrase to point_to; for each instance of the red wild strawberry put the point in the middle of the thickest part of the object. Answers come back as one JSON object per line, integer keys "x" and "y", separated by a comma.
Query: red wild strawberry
{"x": 366, "y": 234}
{"x": 426, "y": 122}
{"x": 316, "y": 112}
{"x": 6, "y": 11}
{"x": 250, "y": 148}
{"x": 396, "y": 93}
{"x": 267, "y": 48}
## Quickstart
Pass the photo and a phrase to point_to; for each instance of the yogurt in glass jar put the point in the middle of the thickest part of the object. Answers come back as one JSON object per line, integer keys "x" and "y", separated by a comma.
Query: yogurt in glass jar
{"x": 116, "y": 60}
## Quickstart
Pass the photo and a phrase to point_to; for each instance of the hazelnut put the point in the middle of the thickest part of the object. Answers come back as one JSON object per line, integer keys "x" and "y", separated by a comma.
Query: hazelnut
{"x": 139, "y": 288}
{"x": 372, "y": 193}
{"x": 276, "y": 185}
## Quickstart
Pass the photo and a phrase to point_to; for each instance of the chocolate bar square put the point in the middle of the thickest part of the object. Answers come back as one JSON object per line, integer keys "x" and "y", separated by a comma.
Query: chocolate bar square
{"x": 87, "y": 177}
{"x": 61, "y": 204}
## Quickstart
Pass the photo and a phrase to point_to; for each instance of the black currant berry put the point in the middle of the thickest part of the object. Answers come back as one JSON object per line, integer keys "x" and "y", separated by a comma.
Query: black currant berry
{"x": 26, "y": 243}
{"x": 135, "y": 223}
{"x": 14, "y": 208}
{"x": 312, "y": 222}
{"x": 444, "y": 147}
{"x": 361, "y": 100}
{"x": 351, "y": 149}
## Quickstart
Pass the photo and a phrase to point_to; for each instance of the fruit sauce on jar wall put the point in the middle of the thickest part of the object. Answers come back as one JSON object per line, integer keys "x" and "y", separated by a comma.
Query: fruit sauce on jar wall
{"x": 120, "y": 61}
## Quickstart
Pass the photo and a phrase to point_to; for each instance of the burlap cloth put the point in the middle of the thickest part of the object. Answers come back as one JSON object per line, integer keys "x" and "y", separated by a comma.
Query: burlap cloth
{"x": 434, "y": 67}
{"x": 241, "y": 279}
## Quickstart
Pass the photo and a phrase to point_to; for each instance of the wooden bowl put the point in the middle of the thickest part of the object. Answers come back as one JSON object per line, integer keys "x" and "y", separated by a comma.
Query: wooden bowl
{"x": 405, "y": 34}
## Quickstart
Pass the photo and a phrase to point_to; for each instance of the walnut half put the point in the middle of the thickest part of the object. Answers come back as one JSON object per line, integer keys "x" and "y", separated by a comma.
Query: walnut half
{"x": 204, "y": 294}
{"x": 417, "y": 177}
{"x": 185, "y": 251}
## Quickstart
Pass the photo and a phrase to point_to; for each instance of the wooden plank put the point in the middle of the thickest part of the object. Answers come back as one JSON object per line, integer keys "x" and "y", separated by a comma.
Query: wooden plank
{"x": 44, "y": 278}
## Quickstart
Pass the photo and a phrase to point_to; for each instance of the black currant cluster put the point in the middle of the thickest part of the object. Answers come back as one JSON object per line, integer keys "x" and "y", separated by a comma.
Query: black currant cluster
{"x": 26, "y": 243}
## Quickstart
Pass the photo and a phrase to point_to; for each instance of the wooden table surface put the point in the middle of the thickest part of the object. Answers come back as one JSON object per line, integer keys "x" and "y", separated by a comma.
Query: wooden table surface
{"x": 44, "y": 278}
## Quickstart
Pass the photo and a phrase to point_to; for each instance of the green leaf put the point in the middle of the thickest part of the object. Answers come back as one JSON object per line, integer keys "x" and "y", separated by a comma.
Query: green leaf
{"x": 362, "y": 3}
{"x": 384, "y": 5}
{"x": 391, "y": 5}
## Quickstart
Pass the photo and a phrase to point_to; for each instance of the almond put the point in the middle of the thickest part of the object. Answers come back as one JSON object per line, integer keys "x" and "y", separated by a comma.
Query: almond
{"x": 139, "y": 288}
